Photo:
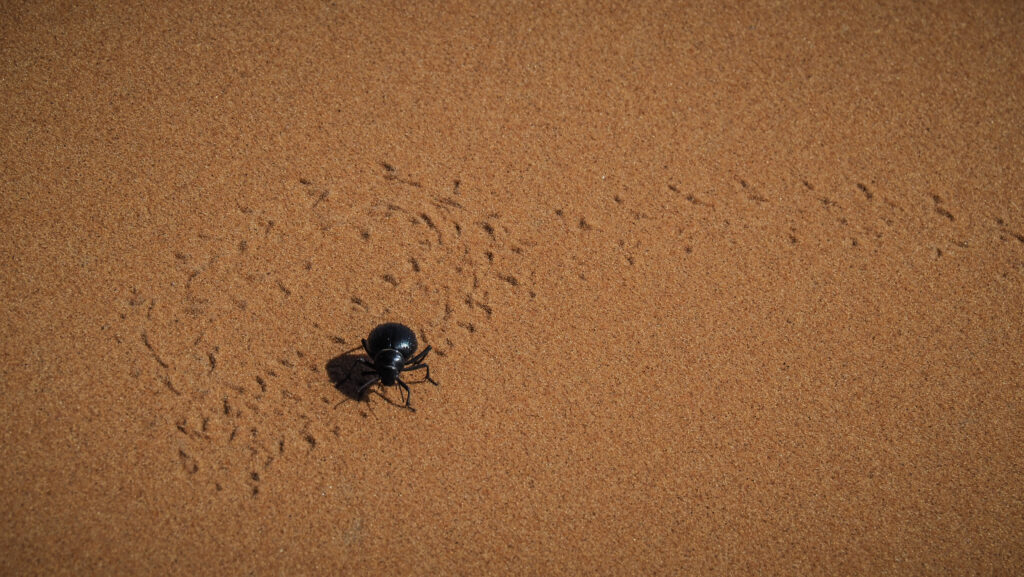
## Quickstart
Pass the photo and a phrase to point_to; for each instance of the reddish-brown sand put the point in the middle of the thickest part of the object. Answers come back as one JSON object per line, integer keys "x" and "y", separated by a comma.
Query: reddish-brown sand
{"x": 710, "y": 290}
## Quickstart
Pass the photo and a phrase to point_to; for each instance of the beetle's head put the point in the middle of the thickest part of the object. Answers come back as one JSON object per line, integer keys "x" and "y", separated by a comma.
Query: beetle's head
{"x": 388, "y": 363}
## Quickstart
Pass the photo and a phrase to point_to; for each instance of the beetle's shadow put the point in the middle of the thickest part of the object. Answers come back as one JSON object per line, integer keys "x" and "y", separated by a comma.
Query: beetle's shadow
{"x": 344, "y": 372}
{"x": 347, "y": 365}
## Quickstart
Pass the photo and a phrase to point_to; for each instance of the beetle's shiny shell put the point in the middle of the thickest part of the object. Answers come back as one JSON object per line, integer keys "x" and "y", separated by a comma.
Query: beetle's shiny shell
{"x": 392, "y": 336}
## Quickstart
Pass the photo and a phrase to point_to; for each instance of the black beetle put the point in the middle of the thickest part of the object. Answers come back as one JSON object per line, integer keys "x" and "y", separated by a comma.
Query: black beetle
{"x": 392, "y": 350}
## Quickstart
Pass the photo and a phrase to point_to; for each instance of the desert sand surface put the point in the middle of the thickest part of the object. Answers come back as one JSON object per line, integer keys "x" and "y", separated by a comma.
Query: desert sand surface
{"x": 711, "y": 289}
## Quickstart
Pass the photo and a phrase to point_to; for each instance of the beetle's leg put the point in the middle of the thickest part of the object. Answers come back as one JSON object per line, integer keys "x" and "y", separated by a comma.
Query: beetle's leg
{"x": 419, "y": 358}
{"x": 408, "y": 394}
{"x": 421, "y": 366}
{"x": 366, "y": 385}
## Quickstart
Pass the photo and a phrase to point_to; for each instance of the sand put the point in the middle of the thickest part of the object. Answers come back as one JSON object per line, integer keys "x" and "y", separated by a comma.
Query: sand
{"x": 710, "y": 290}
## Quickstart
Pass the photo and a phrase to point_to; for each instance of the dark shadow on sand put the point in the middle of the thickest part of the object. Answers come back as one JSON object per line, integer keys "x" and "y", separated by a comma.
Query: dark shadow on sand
{"x": 347, "y": 374}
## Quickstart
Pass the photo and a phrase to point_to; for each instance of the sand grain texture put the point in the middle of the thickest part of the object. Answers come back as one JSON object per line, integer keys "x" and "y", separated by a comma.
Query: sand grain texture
{"x": 711, "y": 290}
